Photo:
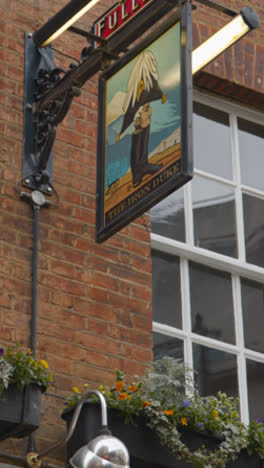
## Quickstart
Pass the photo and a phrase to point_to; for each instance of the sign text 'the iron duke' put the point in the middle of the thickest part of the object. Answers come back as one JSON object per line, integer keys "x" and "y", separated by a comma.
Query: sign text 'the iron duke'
{"x": 119, "y": 15}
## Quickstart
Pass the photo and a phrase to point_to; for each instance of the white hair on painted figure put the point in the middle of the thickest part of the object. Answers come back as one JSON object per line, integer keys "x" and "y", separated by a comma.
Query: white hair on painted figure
{"x": 143, "y": 73}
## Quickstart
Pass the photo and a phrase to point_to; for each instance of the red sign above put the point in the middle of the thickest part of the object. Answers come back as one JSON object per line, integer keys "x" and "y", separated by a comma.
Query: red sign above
{"x": 118, "y": 16}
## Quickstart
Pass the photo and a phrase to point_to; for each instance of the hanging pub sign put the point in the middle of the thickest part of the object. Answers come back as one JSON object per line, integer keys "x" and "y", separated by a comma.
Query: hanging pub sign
{"x": 145, "y": 125}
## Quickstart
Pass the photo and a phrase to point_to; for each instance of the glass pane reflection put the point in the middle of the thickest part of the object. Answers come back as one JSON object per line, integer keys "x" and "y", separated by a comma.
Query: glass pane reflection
{"x": 211, "y": 303}
{"x": 212, "y": 141}
{"x": 255, "y": 381}
{"x": 217, "y": 371}
{"x": 164, "y": 345}
{"x": 166, "y": 289}
{"x": 214, "y": 216}
{"x": 254, "y": 229}
{"x": 251, "y": 149}
{"x": 167, "y": 217}
{"x": 253, "y": 314}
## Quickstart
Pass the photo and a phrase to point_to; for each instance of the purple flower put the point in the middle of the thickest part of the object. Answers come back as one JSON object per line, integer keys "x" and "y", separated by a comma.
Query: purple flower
{"x": 186, "y": 403}
{"x": 2, "y": 351}
{"x": 200, "y": 425}
{"x": 259, "y": 420}
{"x": 205, "y": 400}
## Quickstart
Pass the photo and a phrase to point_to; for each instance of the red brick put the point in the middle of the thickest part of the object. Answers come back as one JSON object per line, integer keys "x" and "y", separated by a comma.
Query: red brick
{"x": 131, "y": 336}
{"x": 97, "y": 342}
{"x": 5, "y": 300}
{"x": 62, "y": 284}
{"x": 96, "y": 375}
{"x": 51, "y": 346}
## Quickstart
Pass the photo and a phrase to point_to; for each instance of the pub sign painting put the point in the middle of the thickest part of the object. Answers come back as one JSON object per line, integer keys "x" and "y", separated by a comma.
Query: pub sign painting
{"x": 141, "y": 153}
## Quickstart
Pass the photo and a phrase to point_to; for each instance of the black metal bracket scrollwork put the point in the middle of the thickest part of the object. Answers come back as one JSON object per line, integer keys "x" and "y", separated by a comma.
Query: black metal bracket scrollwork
{"x": 49, "y": 92}
{"x": 49, "y": 118}
{"x": 39, "y": 128}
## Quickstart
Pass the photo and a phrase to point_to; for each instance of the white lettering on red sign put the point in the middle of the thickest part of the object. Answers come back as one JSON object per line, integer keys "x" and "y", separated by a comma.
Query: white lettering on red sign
{"x": 118, "y": 16}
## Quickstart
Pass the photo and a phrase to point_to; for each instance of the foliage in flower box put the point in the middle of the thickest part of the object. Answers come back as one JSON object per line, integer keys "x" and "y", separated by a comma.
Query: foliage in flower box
{"x": 168, "y": 398}
{"x": 21, "y": 368}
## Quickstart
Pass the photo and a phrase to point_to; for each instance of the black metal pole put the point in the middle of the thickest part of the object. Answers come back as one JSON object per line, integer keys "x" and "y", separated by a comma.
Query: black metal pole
{"x": 33, "y": 335}
{"x": 33, "y": 339}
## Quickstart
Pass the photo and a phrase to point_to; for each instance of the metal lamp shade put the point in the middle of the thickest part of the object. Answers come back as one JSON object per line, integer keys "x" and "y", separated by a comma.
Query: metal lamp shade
{"x": 104, "y": 451}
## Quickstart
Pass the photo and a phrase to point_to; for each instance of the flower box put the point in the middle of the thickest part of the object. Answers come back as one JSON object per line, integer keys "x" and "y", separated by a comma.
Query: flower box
{"x": 20, "y": 411}
{"x": 142, "y": 443}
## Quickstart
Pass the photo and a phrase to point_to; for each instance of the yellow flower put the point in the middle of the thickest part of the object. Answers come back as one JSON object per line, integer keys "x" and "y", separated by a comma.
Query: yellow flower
{"x": 75, "y": 389}
{"x": 122, "y": 396}
{"x": 129, "y": 397}
{"x": 44, "y": 363}
{"x": 29, "y": 351}
{"x": 184, "y": 421}
{"x": 86, "y": 385}
{"x": 215, "y": 414}
{"x": 146, "y": 403}
{"x": 51, "y": 378}
{"x": 132, "y": 388}
{"x": 168, "y": 412}
{"x": 101, "y": 387}
{"x": 119, "y": 385}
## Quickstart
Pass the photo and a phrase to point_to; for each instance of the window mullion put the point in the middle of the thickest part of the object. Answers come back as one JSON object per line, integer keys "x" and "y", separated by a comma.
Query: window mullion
{"x": 188, "y": 214}
{"x": 238, "y": 191}
{"x": 186, "y": 311}
{"x": 241, "y": 361}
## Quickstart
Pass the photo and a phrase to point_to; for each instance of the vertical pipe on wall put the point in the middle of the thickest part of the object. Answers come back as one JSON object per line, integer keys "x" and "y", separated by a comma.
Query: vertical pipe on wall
{"x": 33, "y": 334}
{"x": 33, "y": 339}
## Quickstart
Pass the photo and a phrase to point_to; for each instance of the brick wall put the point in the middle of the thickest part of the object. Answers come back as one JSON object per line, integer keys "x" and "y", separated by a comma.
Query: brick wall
{"x": 238, "y": 73}
{"x": 94, "y": 311}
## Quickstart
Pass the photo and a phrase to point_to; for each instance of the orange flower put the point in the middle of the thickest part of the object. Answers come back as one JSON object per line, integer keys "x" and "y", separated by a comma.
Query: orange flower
{"x": 132, "y": 388}
{"x": 29, "y": 351}
{"x": 184, "y": 421}
{"x": 119, "y": 385}
{"x": 122, "y": 396}
{"x": 146, "y": 403}
{"x": 168, "y": 412}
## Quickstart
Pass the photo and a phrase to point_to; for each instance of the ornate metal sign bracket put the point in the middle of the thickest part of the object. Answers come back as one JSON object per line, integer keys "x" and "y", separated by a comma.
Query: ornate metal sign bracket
{"x": 46, "y": 105}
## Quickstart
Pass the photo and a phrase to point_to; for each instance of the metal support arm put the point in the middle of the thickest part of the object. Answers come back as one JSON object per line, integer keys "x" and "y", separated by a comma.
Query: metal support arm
{"x": 33, "y": 459}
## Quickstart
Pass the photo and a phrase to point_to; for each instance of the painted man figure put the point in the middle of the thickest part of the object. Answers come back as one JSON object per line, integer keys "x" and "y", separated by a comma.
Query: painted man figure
{"x": 142, "y": 88}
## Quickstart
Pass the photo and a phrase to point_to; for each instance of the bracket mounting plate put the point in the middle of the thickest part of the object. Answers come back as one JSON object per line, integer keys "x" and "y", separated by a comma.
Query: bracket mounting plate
{"x": 34, "y": 61}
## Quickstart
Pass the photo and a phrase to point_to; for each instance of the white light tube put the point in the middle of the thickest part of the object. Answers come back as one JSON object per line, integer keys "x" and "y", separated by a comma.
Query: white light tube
{"x": 72, "y": 20}
{"x": 218, "y": 43}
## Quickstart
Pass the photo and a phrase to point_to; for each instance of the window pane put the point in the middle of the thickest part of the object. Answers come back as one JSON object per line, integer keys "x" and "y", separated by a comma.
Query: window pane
{"x": 255, "y": 380}
{"x": 166, "y": 289}
{"x": 212, "y": 143}
{"x": 254, "y": 229}
{"x": 253, "y": 314}
{"x": 164, "y": 345}
{"x": 211, "y": 303}
{"x": 251, "y": 149}
{"x": 167, "y": 217}
{"x": 214, "y": 216}
{"x": 217, "y": 371}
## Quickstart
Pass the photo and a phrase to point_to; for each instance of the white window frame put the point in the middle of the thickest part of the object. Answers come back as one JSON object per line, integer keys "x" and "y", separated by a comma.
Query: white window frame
{"x": 235, "y": 266}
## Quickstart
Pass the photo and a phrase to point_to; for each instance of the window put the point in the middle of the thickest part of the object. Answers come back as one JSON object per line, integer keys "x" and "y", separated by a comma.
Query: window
{"x": 208, "y": 258}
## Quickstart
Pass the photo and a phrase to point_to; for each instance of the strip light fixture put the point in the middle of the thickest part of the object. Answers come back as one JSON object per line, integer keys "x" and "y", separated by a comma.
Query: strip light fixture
{"x": 224, "y": 38}
{"x": 60, "y": 22}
